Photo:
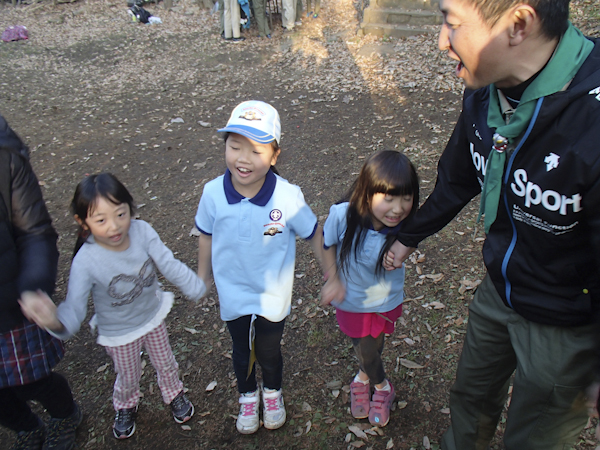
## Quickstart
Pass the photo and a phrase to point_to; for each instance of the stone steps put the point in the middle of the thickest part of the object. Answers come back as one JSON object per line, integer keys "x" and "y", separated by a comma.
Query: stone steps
{"x": 431, "y": 5}
{"x": 399, "y": 18}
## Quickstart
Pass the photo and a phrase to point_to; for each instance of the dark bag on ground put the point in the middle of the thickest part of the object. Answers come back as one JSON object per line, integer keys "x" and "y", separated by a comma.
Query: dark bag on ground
{"x": 140, "y": 13}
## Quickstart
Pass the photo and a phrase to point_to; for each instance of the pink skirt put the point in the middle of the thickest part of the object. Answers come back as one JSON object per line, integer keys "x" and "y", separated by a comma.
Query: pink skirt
{"x": 357, "y": 325}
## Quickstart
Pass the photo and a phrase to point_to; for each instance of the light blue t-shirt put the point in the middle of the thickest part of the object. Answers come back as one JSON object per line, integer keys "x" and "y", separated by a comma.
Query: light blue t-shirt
{"x": 254, "y": 244}
{"x": 365, "y": 291}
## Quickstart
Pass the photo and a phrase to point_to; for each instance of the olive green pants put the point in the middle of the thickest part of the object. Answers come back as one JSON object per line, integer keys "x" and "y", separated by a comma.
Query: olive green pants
{"x": 315, "y": 8}
{"x": 553, "y": 367}
{"x": 259, "y": 8}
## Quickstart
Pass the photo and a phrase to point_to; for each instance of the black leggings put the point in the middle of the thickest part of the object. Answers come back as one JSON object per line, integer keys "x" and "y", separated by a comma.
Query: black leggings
{"x": 267, "y": 347}
{"x": 53, "y": 392}
{"x": 368, "y": 350}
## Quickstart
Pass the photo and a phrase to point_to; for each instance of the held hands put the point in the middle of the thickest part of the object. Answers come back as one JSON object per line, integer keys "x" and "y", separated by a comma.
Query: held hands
{"x": 203, "y": 292}
{"x": 40, "y": 308}
{"x": 206, "y": 280}
{"x": 334, "y": 290}
{"x": 396, "y": 256}
{"x": 593, "y": 395}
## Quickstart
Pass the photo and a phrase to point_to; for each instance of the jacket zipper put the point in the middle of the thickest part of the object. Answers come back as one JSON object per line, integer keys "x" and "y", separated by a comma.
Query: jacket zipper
{"x": 513, "y": 242}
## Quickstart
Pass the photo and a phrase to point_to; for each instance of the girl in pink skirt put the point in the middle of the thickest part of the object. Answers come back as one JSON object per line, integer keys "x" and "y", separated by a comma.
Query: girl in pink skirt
{"x": 357, "y": 235}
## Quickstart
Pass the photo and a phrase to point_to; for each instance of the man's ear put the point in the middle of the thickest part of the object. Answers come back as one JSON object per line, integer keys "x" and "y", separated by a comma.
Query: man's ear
{"x": 80, "y": 222}
{"x": 523, "y": 23}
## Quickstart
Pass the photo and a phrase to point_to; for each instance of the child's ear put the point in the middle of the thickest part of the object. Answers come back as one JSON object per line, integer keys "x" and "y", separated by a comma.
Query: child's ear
{"x": 80, "y": 222}
{"x": 275, "y": 156}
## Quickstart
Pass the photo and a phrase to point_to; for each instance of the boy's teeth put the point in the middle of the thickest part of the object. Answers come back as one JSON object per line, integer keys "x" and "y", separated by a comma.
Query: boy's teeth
{"x": 243, "y": 170}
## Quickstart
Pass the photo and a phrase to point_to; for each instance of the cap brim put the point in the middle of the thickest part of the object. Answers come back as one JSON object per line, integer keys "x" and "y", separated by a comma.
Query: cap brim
{"x": 250, "y": 133}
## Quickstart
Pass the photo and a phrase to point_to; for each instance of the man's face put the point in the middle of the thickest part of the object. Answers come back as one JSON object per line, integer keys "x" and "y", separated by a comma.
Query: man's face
{"x": 481, "y": 51}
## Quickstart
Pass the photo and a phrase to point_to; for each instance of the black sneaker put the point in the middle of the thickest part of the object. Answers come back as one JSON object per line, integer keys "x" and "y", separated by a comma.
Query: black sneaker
{"x": 238, "y": 39}
{"x": 124, "y": 425}
{"x": 61, "y": 432}
{"x": 31, "y": 440}
{"x": 182, "y": 408}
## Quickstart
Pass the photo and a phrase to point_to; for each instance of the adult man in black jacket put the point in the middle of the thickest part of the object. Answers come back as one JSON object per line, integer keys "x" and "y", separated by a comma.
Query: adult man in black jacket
{"x": 528, "y": 137}
{"x": 28, "y": 263}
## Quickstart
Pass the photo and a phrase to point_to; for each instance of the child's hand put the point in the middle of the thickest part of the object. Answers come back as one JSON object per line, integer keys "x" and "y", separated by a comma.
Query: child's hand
{"x": 396, "y": 255}
{"x": 40, "y": 308}
{"x": 334, "y": 290}
{"x": 388, "y": 261}
{"x": 202, "y": 291}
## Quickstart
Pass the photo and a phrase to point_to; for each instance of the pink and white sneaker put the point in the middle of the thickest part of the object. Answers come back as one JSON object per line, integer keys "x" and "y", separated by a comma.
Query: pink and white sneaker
{"x": 359, "y": 399}
{"x": 273, "y": 409}
{"x": 248, "y": 421}
{"x": 379, "y": 412}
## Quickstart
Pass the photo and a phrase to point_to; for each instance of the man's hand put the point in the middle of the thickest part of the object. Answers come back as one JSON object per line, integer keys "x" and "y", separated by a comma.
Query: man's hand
{"x": 396, "y": 256}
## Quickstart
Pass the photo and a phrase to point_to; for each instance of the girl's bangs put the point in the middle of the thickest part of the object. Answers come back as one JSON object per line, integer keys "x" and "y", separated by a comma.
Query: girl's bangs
{"x": 398, "y": 187}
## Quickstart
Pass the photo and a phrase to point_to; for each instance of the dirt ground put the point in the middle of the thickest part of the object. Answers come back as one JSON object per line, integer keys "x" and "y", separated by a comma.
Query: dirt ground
{"x": 92, "y": 91}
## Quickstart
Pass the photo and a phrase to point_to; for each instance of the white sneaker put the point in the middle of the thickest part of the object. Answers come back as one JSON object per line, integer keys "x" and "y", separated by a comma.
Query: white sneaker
{"x": 273, "y": 409}
{"x": 247, "y": 421}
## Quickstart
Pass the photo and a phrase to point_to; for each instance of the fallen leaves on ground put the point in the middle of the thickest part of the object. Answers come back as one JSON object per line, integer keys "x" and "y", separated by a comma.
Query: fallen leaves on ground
{"x": 410, "y": 364}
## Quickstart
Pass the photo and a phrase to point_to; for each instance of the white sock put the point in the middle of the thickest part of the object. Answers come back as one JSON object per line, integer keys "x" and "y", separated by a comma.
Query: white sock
{"x": 387, "y": 387}
{"x": 358, "y": 380}
{"x": 250, "y": 394}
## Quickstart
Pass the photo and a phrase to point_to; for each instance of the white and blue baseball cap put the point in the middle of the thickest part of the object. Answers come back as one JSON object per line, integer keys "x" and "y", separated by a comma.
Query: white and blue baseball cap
{"x": 256, "y": 120}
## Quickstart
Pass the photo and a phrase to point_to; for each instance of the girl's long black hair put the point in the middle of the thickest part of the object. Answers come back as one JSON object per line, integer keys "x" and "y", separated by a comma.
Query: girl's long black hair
{"x": 87, "y": 192}
{"x": 388, "y": 172}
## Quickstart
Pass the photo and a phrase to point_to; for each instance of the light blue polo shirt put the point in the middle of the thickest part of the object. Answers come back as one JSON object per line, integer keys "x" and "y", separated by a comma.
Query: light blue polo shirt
{"x": 254, "y": 244}
{"x": 365, "y": 291}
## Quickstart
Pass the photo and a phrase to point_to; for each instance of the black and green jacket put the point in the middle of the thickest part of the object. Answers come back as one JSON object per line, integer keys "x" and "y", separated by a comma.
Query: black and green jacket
{"x": 543, "y": 250}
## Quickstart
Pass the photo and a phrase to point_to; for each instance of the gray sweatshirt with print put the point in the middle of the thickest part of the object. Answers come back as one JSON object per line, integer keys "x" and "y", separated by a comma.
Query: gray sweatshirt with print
{"x": 123, "y": 284}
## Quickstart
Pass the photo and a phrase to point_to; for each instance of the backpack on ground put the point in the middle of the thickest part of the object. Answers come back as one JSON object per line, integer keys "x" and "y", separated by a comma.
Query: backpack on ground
{"x": 139, "y": 14}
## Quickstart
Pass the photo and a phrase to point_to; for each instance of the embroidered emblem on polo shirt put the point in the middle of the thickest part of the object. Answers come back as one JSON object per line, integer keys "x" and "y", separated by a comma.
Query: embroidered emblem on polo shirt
{"x": 275, "y": 226}
{"x": 275, "y": 215}
{"x": 272, "y": 231}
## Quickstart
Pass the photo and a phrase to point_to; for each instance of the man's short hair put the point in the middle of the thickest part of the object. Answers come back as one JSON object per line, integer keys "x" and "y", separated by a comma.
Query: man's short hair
{"x": 554, "y": 14}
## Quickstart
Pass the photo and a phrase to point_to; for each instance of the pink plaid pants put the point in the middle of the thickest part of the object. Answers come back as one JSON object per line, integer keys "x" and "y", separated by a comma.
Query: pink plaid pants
{"x": 128, "y": 367}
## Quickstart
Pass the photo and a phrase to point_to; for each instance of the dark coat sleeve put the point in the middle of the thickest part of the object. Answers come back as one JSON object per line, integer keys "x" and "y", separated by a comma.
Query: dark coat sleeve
{"x": 8, "y": 138}
{"x": 34, "y": 236}
{"x": 455, "y": 186}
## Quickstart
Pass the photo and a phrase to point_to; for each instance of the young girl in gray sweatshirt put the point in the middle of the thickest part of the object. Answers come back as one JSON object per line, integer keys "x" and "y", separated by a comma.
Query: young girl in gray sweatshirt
{"x": 117, "y": 264}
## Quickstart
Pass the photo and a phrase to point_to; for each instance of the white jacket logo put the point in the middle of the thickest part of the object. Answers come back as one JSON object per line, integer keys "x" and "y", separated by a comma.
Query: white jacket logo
{"x": 551, "y": 161}
{"x": 478, "y": 161}
{"x": 595, "y": 92}
{"x": 551, "y": 200}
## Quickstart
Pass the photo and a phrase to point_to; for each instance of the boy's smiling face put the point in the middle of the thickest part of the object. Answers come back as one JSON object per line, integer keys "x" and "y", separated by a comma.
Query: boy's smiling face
{"x": 248, "y": 161}
{"x": 481, "y": 50}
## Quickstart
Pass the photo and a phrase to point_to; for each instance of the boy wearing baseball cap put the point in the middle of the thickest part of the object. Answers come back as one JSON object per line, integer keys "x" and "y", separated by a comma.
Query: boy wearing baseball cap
{"x": 249, "y": 218}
